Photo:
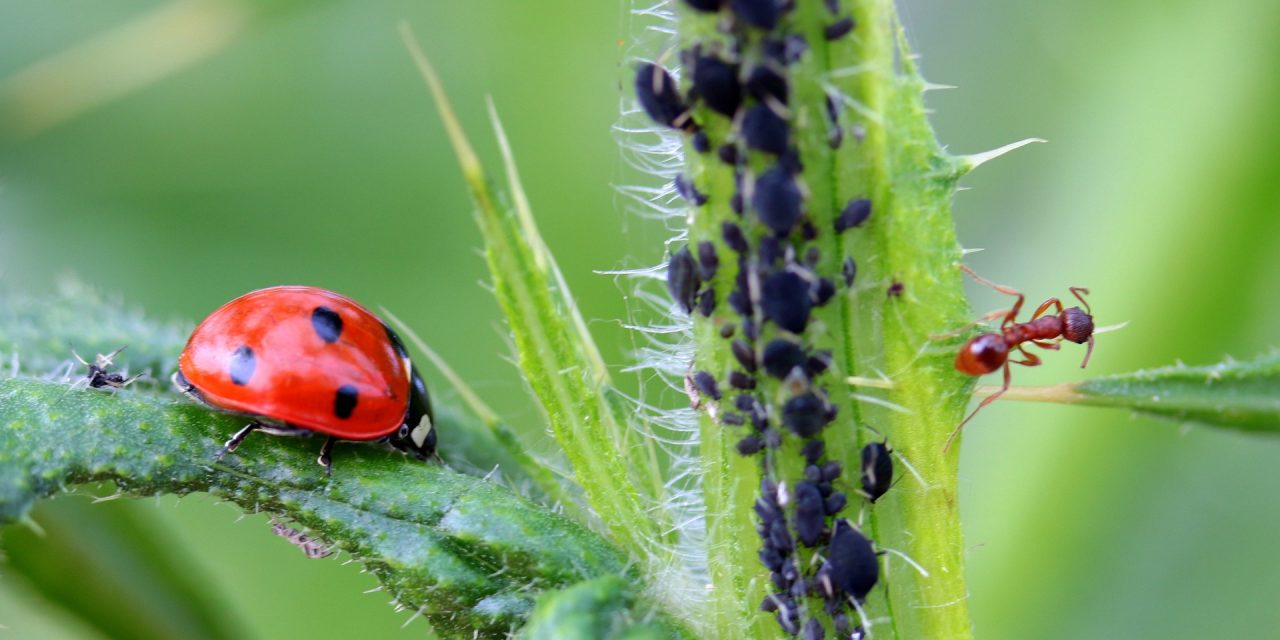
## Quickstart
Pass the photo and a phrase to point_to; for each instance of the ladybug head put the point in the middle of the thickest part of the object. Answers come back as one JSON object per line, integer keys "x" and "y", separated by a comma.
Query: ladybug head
{"x": 418, "y": 433}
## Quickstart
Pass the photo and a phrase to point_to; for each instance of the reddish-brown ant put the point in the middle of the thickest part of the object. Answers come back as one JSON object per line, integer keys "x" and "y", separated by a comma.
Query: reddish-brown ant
{"x": 987, "y": 352}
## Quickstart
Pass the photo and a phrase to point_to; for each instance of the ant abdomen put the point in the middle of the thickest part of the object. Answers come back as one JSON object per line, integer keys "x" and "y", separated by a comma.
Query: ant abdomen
{"x": 982, "y": 354}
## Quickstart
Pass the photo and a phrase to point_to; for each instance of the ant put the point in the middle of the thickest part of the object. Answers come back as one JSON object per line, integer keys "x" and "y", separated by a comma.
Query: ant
{"x": 990, "y": 351}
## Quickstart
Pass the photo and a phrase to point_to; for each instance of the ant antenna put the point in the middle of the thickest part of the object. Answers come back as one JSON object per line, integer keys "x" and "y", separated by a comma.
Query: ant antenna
{"x": 1087, "y": 353}
{"x": 1077, "y": 291}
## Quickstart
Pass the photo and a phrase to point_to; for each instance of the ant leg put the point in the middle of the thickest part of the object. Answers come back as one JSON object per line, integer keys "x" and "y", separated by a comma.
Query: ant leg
{"x": 1077, "y": 291}
{"x": 1051, "y": 302}
{"x": 1028, "y": 359}
{"x": 1051, "y": 345}
{"x": 992, "y": 315}
{"x": 239, "y": 437}
{"x": 326, "y": 455}
{"x": 988, "y": 400}
{"x": 1012, "y": 314}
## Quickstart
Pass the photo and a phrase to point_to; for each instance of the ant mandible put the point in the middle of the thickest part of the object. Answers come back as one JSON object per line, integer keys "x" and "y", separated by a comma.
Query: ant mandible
{"x": 990, "y": 351}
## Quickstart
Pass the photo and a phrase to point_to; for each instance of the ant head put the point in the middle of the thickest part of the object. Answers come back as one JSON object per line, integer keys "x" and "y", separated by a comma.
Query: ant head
{"x": 1077, "y": 326}
{"x": 982, "y": 354}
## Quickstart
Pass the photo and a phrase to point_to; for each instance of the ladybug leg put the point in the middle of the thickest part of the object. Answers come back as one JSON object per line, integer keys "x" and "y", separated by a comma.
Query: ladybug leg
{"x": 326, "y": 455}
{"x": 239, "y": 437}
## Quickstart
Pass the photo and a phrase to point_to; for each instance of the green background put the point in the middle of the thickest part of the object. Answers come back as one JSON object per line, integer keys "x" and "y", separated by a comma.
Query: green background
{"x": 305, "y": 150}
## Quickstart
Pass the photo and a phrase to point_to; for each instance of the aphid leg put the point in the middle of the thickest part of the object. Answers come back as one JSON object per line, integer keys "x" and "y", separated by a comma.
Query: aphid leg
{"x": 326, "y": 455}
{"x": 1077, "y": 291}
{"x": 1051, "y": 302}
{"x": 1012, "y": 314}
{"x": 239, "y": 437}
{"x": 988, "y": 400}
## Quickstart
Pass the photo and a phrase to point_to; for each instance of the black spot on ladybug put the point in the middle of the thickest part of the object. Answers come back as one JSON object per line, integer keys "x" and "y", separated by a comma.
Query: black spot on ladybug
{"x": 708, "y": 261}
{"x": 781, "y": 356}
{"x": 765, "y": 130}
{"x": 717, "y": 82}
{"x": 854, "y": 214}
{"x": 243, "y": 362}
{"x": 344, "y": 401}
{"x": 838, "y": 29}
{"x": 758, "y": 13}
{"x": 682, "y": 279}
{"x": 327, "y": 323}
{"x": 877, "y": 470}
{"x": 810, "y": 513}
{"x": 785, "y": 300}
{"x": 701, "y": 143}
{"x": 395, "y": 342}
{"x": 709, "y": 6}
{"x": 777, "y": 200}
{"x": 706, "y": 384}
{"x": 805, "y": 414}
{"x": 849, "y": 270}
{"x": 733, "y": 237}
{"x": 851, "y": 565}
{"x": 763, "y": 84}
{"x": 656, "y": 90}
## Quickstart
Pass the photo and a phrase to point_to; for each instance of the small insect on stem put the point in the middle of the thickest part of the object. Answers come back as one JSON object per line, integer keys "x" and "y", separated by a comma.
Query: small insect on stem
{"x": 988, "y": 352}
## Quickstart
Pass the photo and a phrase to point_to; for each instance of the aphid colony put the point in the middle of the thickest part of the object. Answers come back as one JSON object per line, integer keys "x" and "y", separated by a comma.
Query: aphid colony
{"x": 765, "y": 264}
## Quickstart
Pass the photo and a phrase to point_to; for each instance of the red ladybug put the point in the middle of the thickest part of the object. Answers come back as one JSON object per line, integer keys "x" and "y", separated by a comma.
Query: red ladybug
{"x": 303, "y": 359}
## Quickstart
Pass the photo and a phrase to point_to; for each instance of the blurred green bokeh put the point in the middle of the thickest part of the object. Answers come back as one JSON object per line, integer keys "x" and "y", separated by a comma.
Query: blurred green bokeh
{"x": 303, "y": 149}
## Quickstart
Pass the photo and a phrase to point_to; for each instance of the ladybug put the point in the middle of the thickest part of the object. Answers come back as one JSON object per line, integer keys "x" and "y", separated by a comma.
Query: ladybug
{"x": 302, "y": 359}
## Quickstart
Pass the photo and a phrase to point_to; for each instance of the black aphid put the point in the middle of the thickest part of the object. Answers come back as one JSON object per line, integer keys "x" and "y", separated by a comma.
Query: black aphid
{"x": 736, "y": 202}
{"x": 750, "y": 330}
{"x": 823, "y": 291}
{"x": 818, "y": 363}
{"x": 812, "y": 256}
{"x": 849, "y": 270}
{"x": 785, "y": 300}
{"x": 741, "y": 302}
{"x": 794, "y": 48}
{"x": 744, "y": 354}
{"x": 701, "y": 143}
{"x": 854, "y": 214}
{"x": 727, "y": 329}
{"x": 658, "y": 94}
{"x": 772, "y": 438}
{"x": 708, "y": 261}
{"x": 682, "y": 279}
{"x": 733, "y": 237}
{"x": 731, "y": 418}
{"x": 831, "y": 471}
{"x": 790, "y": 160}
{"x": 707, "y": 303}
{"x": 728, "y": 154}
{"x": 833, "y": 6}
{"x": 765, "y": 130}
{"x": 835, "y": 503}
{"x": 750, "y": 445}
{"x": 835, "y": 133}
{"x": 690, "y": 193}
{"x": 770, "y": 558}
{"x": 852, "y": 567}
{"x": 763, "y": 84}
{"x": 805, "y": 414}
{"x": 771, "y": 251}
{"x": 780, "y": 538}
{"x": 716, "y": 81}
{"x": 758, "y": 13}
{"x": 745, "y": 403}
{"x": 710, "y": 6}
{"x": 877, "y": 470}
{"x": 706, "y": 384}
{"x": 813, "y": 451}
{"x": 781, "y": 356}
{"x": 838, "y": 29}
{"x": 813, "y": 630}
{"x": 777, "y": 200}
{"x": 740, "y": 380}
{"x": 896, "y": 289}
{"x": 810, "y": 513}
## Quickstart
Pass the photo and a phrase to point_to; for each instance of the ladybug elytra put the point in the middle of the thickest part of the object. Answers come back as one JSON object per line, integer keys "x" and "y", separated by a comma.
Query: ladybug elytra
{"x": 302, "y": 359}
